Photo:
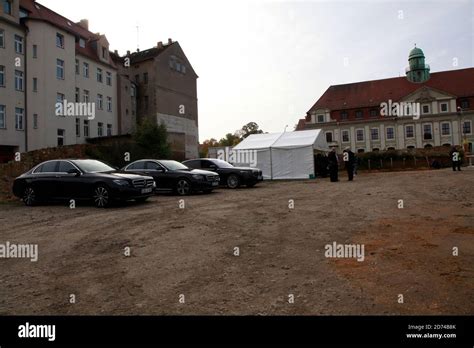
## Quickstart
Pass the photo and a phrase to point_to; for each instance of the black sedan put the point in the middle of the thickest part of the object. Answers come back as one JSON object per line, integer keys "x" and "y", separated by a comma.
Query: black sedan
{"x": 81, "y": 179}
{"x": 174, "y": 176}
{"x": 231, "y": 176}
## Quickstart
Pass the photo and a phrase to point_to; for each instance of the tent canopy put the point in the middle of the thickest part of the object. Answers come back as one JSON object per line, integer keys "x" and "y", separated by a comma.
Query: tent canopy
{"x": 287, "y": 155}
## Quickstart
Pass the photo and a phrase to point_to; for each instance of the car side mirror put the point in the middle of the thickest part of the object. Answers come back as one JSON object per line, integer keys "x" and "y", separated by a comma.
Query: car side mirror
{"x": 74, "y": 171}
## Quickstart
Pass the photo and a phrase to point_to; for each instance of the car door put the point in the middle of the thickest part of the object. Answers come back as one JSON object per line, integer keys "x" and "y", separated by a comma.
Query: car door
{"x": 163, "y": 178}
{"x": 44, "y": 180}
{"x": 212, "y": 167}
{"x": 70, "y": 185}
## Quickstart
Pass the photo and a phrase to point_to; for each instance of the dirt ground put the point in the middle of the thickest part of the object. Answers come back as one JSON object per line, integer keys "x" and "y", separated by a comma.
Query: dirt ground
{"x": 191, "y": 251}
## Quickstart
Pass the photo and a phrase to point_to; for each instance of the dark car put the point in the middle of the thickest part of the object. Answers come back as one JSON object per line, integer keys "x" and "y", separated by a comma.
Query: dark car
{"x": 174, "y": 176}
{"x": 231, "y": 176}
{"x": 81, "y": 179}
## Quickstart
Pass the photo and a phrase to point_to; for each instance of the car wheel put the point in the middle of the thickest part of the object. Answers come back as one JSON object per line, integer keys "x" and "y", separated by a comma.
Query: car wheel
{"x": 101, "y": 196}
{"x": 29, "y": 196}
{"x": 183, "y": 187}
{"x": 233, "y": 181}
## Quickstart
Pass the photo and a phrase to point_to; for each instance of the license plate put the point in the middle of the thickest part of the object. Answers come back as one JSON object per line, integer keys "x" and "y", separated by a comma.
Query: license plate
{"x": 215, "y": 183}
{"x": 147, "y": 190}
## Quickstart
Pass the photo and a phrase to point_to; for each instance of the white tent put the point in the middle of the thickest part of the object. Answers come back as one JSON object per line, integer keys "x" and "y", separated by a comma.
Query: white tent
{"x": 287, "y": 155}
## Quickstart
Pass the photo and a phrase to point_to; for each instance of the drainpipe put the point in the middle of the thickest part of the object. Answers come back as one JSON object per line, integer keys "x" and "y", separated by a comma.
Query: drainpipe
{"x": 25, "y": 69}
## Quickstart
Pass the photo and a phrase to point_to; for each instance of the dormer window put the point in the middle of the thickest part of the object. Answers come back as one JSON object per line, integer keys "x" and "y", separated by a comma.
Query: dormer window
{"x": 359, "y": 114}
{"x": 7, "y": 7}
{"x": 344, "y": 115}
{"x": 82, "y": 43}
{"x": 104, "y": 52}
{"x": 320, "y": 118}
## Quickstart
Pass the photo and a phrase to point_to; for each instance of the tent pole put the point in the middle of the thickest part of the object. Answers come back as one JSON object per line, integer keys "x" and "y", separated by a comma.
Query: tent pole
{"x": 271, "y": 164}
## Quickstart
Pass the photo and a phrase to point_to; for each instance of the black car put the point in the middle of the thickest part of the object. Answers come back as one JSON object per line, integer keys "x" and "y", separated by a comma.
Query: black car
{"x": 174, "y": 176}
{"x": 231, "y": 176}
{"x": 81, "y": 179}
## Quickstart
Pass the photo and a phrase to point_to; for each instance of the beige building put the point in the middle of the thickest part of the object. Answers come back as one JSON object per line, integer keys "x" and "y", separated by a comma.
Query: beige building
{"x": 13, "y": 82}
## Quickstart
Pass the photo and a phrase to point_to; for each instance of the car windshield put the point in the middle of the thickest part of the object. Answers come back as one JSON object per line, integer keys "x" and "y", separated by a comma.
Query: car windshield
{"x": 93, "y": 166}
{"x": 173, "y": 165}
{"x": 222, "y": 164}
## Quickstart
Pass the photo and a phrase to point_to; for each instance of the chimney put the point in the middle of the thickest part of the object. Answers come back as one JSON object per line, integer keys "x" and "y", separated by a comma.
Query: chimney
{"x": 128, "y": 53}
{"x": 160, "y": 44}
{"x": 170, "y": 41}
{"x": 84, "y": 23}
{"x": 116, "y": 52}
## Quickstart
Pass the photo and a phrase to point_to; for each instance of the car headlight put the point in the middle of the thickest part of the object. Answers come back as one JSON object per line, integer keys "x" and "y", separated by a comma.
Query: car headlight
{"x": 198, "y": 176}
{"x": 121, "y": 182}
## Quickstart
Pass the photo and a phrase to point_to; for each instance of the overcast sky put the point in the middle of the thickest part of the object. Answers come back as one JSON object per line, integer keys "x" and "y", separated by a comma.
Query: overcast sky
{"x": 269, "y": 61}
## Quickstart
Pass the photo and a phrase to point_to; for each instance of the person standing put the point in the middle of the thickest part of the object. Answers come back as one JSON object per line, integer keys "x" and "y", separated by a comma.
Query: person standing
{"x": 349, "y": 161}
{"x": 455, "y": 158}
{"x": 333, "y": 165}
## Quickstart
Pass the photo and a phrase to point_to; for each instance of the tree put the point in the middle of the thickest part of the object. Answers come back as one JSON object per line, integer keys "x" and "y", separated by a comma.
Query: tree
{"x": 152, "y": 139}
{"x": 248, "y": 129}
{"x": 204, "y": 147}
{"x": 229, "y": 140}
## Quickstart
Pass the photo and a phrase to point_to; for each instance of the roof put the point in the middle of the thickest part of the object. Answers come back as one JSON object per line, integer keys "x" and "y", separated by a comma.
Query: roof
{"x": 373, "y": 93}
{"x": 140, "y": 56}
{"x": 285, "y": 140}
{"x": 42, "y": 13}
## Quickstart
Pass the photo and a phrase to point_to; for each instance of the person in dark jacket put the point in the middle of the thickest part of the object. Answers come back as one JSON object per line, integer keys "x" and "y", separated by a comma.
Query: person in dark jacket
{"x": 349, "y": 162}
{"x": 333, "y": 165}
{"x": 455, "y": 158}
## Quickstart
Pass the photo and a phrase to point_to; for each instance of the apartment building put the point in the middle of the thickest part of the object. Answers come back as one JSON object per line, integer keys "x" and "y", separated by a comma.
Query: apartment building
{"x": 167, "y": 93}
{"x": 12, "y": 80}
{"x": 354, "y": 115}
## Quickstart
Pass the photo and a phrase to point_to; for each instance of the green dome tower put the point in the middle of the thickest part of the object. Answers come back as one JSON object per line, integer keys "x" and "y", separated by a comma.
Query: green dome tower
{"x": 418, "y": 71}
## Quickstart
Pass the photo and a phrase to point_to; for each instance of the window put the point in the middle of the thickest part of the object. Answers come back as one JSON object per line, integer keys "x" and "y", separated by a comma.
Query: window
{"x": 329, "y": 137}
{"x": 7, "y": 7}
{"x": 100, "y": 102}
{"x": 359, "y": 114}
{"x": 464, "y": 104}
{"x": 344, "y": 115}
{"x": 109, "y": 104}
{"x": 35, "y": 84}
{"x": 35, "y": 121}
{"x": 360, "y": 135}
{"x": 345, "y": 136}
{"x": 99, "y": 75}
{"x": 78, "y": 127}
{"x": 445, "y": 128}
{"x": 133, "y": 91}
{"x": 85, "y": 69}
{"x": 60, "y": 98}
{"x": 108, "y": 78}
{"x": 137, "y": 78}
{"x": 77, "y": 67}
{"x": 19, "y": 115}
{"x": 18, "y": 44}
{"x": 60, "y": 69}
{"x": 61, "y": 137}
{"x": 48, "y": 167}
{"x": 100, "y": 129}
{"x": 78, "y": 95}
{"x": 183, "y": 68}
{"x": 374, "y": 134}
{"x": 360, "y": 150}
{"x": 3, "y": 122}
{"x": 18, "y": 80}
{"x": 2, "y": 76}
{"x": 374, "y": 112}
{"x": 444, "y": 107}
{"x": 109, "y": 130}
{"x": 82, "y": 43}
{"x": 390, "y": 133}
{"x": 145, "y": 77}
{"x": 2, "y": 38}
{"x": 409, "y": 131}
{"x": 86, "y": 128}
{"x": 391, "y": 148}
{"x": 426, "y": 109}
{"x": 85, "y": 96}
{"x": 137, "y": 165}
{"x": 35, "y": 51}
{"x": 467, "y": 127}
{"x": 104, "y": 52}
{"x": 65, "y": 166}
{"x": 427, "y": 132}
{"x": 320, "y": 118}
{"x": 59, "y": 40}
{"x": 146, "y": 102}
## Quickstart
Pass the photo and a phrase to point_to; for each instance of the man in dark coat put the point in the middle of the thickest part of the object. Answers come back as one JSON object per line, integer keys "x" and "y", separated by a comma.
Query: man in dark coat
{"x": 333, "y": 165}
{"x": 349, "y": 161}
{"x": 455, "y": 158}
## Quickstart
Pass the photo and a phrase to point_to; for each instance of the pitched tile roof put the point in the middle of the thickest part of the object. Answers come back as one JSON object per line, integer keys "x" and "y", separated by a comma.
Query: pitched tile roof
{"x": 372, "y": 93}
{"x": 137, "y": 57}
